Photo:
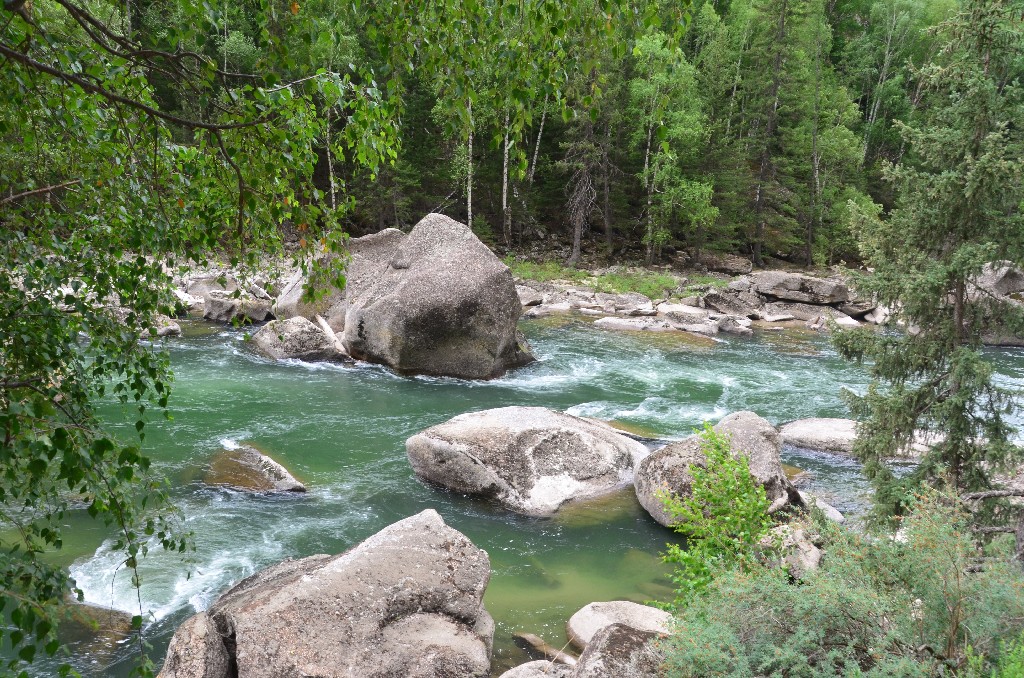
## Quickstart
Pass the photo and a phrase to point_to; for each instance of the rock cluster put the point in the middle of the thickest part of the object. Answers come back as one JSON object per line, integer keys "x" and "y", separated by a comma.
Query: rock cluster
{"x": 766, "y": 296}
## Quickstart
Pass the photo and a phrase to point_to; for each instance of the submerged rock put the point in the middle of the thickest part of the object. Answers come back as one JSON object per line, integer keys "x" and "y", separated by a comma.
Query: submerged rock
{"x": 296, "y": 338}
{"x": 530, "y": 459}
{"x": 246, "y": 468}
{"x": 443, "y": 305}
{"x": 668, "y": 469}
{"x": 408, "y": 601}
{"x": 590, "y": 619}
{"x": 642, "y": 324}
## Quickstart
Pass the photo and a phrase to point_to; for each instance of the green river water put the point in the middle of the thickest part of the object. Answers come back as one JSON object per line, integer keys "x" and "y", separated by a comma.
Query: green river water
{"x": 342, "y": 431}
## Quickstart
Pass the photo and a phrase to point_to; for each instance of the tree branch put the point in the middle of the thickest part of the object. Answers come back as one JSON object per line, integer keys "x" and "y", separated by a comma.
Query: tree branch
{"x": 44, "y": 189}
{"x": 93, "y": 88}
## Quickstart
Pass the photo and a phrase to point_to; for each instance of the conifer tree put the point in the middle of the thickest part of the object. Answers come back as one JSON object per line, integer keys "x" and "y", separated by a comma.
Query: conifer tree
{"x": 959, "y": 191}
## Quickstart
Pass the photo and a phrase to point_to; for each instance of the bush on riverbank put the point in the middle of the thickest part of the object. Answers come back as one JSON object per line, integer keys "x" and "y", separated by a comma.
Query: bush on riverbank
{"x": 924, "y": 604}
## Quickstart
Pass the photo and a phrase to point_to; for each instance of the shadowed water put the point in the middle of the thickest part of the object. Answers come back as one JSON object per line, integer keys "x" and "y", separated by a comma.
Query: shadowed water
{"x": 341, "y": 431}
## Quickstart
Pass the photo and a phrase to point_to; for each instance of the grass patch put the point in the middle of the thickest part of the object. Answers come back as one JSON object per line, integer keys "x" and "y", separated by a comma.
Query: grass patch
{"x": 647, "y": 283}
{"x": 544, "y": 271}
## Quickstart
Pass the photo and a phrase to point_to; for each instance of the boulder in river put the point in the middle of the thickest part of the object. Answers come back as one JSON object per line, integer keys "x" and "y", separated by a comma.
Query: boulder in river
{"x": 530, "y": 459}
{"x": 831, "y": 435}
{"x": 246, "y": 468}
{"x": 224, "y": 307}
{"x": 621, "y": 651}
{"x": 668, "y": 469}
{"x": 408, "y": 601}
{"x": 296, "y": 338}
{"x": 590, "y": 619}
{"x": 799, "y": 287}
{"x": 443, "y": 305}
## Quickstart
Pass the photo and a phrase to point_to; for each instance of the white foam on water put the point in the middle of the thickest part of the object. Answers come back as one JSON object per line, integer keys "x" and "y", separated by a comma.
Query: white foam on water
{"x": 167, "y": 586}
{"x": 229, "y": 444}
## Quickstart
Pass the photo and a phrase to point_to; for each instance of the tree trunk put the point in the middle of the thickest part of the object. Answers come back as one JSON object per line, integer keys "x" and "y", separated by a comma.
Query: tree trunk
{"x": 469, "y": 168}
{"x": 330, "y": 163}
{"x": 506, "y": 210}
{"x": 771, "y": 123}
{"x": 649, "y": 186}
{"x": 536, "y": 145}
{"x": 814, "y": 221}
{"x": 606, "y": 180}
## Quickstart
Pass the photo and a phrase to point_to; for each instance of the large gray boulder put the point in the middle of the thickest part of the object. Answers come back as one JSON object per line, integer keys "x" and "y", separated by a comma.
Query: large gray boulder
{"x": 799, "y": 287}
{"x": 295, "y": 338}
{"x": 530, "y": 459}
{"x": 590, "y": 619}
{"x": 668, "y": 469}
{"x": 1000, "y": 278}
{"x": 443, "y": 305}
{"x": 408, "y": 601}
{"x": 621, "y": 651}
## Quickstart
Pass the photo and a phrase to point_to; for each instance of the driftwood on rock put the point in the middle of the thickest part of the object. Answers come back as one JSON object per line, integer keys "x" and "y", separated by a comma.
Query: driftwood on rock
{"x": 548, "y": 651}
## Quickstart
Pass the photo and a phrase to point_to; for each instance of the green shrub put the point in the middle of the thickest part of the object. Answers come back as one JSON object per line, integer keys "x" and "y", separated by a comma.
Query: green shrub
{"x": 723, "y": 519}
{"x": 918, "y": 606}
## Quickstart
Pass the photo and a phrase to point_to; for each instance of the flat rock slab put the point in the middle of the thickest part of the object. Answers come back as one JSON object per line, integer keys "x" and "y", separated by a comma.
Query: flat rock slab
{"x": 408, "y": 601}
{"x": 799, "y": 287}
{"x": 246, "y": 468}
{"x": 590, "y": 619}
{"x": 530, "y": 459}
{"x": 831, "y": 435}
{"x": 541, "y": 668}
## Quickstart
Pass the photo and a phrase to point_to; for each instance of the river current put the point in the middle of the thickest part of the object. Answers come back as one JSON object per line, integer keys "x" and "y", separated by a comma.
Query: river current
{"x": 341, "y": 430}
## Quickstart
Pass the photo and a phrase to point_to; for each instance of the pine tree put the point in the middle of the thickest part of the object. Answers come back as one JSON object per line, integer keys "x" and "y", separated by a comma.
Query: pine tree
{"x": 959, "y": 191}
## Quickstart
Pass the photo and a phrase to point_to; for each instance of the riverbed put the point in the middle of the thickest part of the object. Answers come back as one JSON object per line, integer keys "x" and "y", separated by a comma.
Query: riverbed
{"x": 341, "y": 430}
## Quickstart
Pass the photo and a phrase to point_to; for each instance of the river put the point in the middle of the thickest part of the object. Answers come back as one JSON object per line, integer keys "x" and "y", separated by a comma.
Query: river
{"x": 341, "y": 430}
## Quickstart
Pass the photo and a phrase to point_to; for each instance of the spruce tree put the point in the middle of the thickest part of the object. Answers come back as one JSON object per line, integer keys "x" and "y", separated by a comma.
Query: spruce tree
{"x": 959, "y": 191}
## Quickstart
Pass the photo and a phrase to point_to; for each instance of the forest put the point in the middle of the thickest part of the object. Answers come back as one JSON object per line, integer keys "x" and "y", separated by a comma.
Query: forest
{"x": 875, "y": 140}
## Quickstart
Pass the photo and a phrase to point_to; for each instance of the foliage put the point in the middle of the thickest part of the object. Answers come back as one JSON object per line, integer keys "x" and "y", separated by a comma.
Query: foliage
{"x": 105, "y": 191}
{"x": 724, "y": 519}
{"x": 959, "y": 194}
{"x": 914, "y": 606}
